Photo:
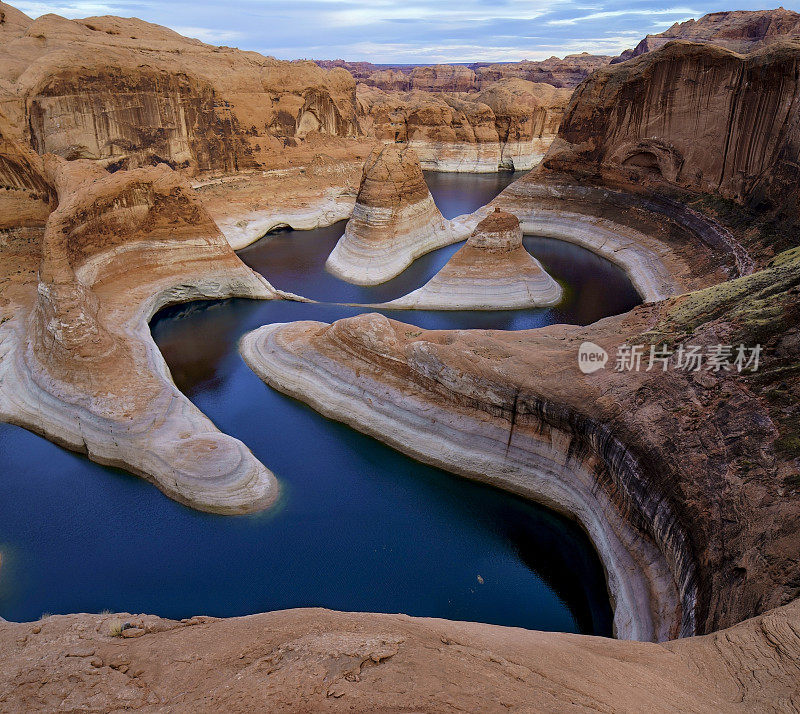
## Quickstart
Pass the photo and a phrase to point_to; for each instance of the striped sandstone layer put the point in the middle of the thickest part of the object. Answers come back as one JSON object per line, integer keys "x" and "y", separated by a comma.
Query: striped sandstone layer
{"x": 493, "y": 271}
{"x": 394, "y": 220}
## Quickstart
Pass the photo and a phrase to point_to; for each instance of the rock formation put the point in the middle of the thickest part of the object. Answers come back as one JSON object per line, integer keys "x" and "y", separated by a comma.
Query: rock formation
{"x": 78, "y": 363}
{"x": 323, "y": 661}
{"x": 394, "y": 220}
{"x": 127, "y": 93}
{"x": 509, "y": 125}
{"x": 730, "y": 126}
{"x": 493, "y": 271}
{"x": 568, "y": 72}
{"x": 742, "y": 31}
{"x": 681, "y": 517}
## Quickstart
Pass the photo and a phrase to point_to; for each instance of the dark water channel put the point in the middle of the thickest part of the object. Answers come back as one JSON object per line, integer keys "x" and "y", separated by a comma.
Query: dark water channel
{"x": 360, "y": 526}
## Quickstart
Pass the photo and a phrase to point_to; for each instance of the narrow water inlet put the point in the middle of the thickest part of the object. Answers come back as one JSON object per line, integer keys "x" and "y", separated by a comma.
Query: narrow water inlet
{"x": 361, "y": 527}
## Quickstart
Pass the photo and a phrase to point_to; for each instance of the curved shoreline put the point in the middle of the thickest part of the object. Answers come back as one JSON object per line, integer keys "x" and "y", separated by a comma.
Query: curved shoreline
{"x": 355, "y": 261}
{"x": 540, "y": 465}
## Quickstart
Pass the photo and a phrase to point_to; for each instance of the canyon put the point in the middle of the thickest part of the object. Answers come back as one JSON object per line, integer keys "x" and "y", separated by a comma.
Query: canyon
{"x": 126, "y": 186}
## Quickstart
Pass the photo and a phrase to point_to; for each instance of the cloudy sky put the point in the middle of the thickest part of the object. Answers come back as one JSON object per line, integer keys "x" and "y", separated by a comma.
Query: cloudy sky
{"x": 405, "y": 31}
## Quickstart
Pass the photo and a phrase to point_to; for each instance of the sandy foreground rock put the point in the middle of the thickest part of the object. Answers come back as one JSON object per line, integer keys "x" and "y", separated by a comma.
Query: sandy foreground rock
{"x": 394, "y": 220}
{"x": 493, "y": 271}
{"x": 323, "y": 661}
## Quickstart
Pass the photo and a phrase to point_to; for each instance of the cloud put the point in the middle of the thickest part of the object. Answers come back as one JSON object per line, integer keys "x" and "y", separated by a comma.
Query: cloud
{"x": 71, "y": 10}
{"x": 608, "y": 14}
{"x": 207, "y": 34}
{"x": 404, "y": 31}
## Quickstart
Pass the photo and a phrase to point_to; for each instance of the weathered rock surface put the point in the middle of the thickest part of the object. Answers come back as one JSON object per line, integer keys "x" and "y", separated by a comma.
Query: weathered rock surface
{"x": 394, "y": 220}
{"x": 568, "y": 72}
{"x": 78, "y": 363}
{"x": 509, "y": 125}
{"x": 682, "y": 479}
{"x": 742, "y": 31}
{"x": 695, "y": 116}
{"x": 323, "y": 661}
{"x": 493, "y": 271}
{"x": 127, "y": 93}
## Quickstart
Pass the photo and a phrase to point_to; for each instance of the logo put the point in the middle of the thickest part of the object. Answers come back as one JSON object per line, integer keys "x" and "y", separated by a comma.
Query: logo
{"x": 591, "y": 357}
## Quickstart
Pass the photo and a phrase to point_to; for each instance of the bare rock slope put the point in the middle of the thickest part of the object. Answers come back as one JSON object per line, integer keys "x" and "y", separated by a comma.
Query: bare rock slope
{"x": 493, "y": 271}
{"x": 322, "y": 661}
{"x": 78, "y": 363}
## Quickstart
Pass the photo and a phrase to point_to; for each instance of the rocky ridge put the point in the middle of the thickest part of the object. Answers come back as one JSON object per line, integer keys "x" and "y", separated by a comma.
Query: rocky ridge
{"x": 492, "y": 271}
{"x": 568, "y": 72}
{"x": 741, "y": 31}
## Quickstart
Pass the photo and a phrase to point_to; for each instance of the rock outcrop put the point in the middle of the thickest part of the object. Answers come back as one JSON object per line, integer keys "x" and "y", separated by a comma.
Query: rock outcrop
{"x": 696, "y": 116}
{"x": 78, "y": 364}
{"x": 493, "y": 271}
{"x": 325, "y": 661}
{"x": 127, "y": 93}
{"x": 510, "y": 125}
{"x": 682, "y": 478}
{"x": 742, "y": 31}
{"x": 394, "y": 220}
{"x": 568, "y": 72}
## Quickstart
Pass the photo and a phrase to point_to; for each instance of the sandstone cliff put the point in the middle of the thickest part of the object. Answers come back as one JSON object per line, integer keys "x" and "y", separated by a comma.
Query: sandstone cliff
{"x": 568, "y": 72}
{"x": 509, "y": 125}
{"x": 739, "y": 30}
{"x": 81, "y": 89}
{"x": 695, "y": 116}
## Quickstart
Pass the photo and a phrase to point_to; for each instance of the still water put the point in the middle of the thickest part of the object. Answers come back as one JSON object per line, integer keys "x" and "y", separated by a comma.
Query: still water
{"x": 359, "y": 526}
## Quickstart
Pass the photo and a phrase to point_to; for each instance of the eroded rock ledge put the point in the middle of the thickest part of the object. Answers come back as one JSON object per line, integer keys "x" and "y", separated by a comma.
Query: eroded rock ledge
{"x": 395, "y": 383}
{"x": 696, "y": 531}
{"x": 78, "y": 364}
{"x": 323, "y": 661}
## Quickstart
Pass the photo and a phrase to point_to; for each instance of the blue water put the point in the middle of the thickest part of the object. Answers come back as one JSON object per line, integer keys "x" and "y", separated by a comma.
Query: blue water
{"x": 359, "y": 526}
